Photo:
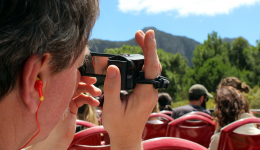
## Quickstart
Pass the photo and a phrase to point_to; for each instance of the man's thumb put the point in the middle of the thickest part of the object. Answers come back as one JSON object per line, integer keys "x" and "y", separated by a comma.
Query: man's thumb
{"x": 112, "y": 86}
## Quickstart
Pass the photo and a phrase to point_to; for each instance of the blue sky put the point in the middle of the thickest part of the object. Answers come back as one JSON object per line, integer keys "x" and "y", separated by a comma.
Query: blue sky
{"x": 120, "y": 19}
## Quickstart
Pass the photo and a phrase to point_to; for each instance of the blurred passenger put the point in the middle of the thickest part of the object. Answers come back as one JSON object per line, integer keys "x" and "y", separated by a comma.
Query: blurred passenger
{"x": 165, "y": 101}
{"x": 155, "y": 120}
{"x": 231, "y": 105}
{"x": 86, "y": 113}
{"x": 235, "y": 83}
{"x": 198, "y": 96}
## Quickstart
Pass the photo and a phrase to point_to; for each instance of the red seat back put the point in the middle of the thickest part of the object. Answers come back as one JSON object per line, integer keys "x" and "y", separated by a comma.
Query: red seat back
{"x": 195, "y": 128}
{"x": 233, "y": 141}
{"x": 156, "y": 130}
{"x": 200, "y": 113}
{"x": 153, "y": 144}
{"x": 91, "y": 136}
{"x": 166, "y": 112}
{"x": 171, "y": 143}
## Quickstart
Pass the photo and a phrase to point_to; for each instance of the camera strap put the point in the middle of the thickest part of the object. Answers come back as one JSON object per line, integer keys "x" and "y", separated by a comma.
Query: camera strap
{"x": 158, "y": 82}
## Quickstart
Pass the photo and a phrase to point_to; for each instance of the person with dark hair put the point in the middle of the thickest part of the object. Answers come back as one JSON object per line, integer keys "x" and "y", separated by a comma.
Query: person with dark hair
{"x": 231, "y": 105}
{"x": 235, "y": 83}
{"x": 44, "y": 43}
{"x": 198, "y": 96}
{"x": 165, "y": 101}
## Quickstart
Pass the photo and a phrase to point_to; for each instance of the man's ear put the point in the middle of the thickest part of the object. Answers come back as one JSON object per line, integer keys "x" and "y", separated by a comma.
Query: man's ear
{"x": 201, "y": 99}
{"x": 34, "y": 67}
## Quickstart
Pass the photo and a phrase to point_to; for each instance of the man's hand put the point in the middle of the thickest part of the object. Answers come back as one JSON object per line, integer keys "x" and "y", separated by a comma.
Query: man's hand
{"x": 62, "y": 135}
{"x": 125, "y": 119}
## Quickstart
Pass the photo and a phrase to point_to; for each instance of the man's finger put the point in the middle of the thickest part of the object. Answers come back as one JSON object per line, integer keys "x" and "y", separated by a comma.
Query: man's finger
{"x": 84, "y": 88}
{"x": 112, "y": 87}
{"x": 81, "y": 100}
{"x": 88, "y": 80}
{"x": 139, "y": 38}
{"x": 152, "y": 64}
{"x": 151, "y": 68}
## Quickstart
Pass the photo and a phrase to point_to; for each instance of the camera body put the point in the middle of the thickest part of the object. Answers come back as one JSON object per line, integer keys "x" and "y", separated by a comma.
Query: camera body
{"x": 130, "y": 66}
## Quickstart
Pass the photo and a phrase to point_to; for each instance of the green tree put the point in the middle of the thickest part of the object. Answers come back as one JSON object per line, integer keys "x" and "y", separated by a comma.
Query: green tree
{"x": 252, "y": 64}
{"x": 238, "y": 53}
{"x": 212, "y": 71}
{"x": 174, "y": 67}
{"x": 210, "y": 48}
{"x": 125, "y": 49}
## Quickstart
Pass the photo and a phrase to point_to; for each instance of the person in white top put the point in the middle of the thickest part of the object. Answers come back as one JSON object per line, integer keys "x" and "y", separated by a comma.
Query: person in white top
{"x": 231, "y": 105}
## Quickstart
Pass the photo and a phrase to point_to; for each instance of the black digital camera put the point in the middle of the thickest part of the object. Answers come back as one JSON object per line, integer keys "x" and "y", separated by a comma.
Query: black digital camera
{"x": 130, "y": 66}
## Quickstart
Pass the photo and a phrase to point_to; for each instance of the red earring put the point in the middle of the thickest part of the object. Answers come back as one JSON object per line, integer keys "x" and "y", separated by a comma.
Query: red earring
{"x": 38, "y": 86}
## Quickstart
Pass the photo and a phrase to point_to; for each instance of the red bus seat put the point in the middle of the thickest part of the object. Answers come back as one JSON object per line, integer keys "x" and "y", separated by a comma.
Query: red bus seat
{"x": 233, "y": 141}
{"x": 91, "y": 136}
{"x": 171, "y": 143}
{"x": 156, "y": 130}
{"x": 81, "y": 124}
{"x": 195, "y": 128}
{"x": 153, "y": 144}
{"x": 200, "y": 113}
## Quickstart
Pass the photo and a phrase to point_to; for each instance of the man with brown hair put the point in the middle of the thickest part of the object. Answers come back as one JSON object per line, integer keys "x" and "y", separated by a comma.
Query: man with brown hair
{"x": 48, "y": 39}
{"x": 198, "y": 96}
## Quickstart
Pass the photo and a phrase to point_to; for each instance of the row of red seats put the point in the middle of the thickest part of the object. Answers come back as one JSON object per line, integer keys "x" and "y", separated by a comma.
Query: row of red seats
{"x": 182, "y": 128}
{"x": 196, "y": 126}
{"x": 185, "y": 127}
{"x": 152, "y": 144}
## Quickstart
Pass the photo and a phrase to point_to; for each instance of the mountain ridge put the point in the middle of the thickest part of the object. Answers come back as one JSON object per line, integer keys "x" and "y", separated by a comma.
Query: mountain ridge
{"x": 166, "y": 41}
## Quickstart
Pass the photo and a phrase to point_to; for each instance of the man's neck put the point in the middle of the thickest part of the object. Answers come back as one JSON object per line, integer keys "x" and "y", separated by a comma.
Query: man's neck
{"x": 12, "y": 124}
{"x": 7, "y": 123}
{"x": 194, "y": 102}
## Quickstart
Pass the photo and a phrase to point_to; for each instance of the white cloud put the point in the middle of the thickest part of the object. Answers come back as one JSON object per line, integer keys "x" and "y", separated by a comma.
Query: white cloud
{"x": 183, "y": 7}
{"x": 169, "y": 14}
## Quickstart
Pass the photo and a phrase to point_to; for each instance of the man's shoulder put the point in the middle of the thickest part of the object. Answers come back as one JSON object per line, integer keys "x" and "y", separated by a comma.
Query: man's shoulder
{"x": 190, "y": 108}
{"x": 183, "y": 107}
{"x": 180, "y": 111}
{"x": 202, "y": 109}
